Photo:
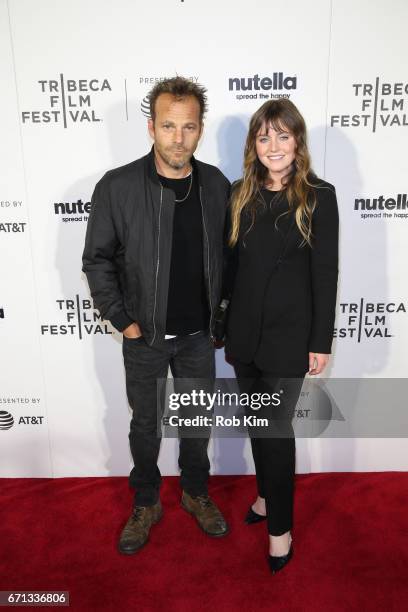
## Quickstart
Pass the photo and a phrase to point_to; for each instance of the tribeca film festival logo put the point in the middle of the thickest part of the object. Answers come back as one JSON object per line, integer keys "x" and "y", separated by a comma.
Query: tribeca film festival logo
{"x": 262, "y": 85}
{"x": 382, "y": 104}
{"x": 81, "y": 319}
{"x": 367, "y": 320}
{"x": 150, "y": 82}
{"x": 383, "y": 207}
{"x": 69, "y": 101}
{"x": 73, "y": 211}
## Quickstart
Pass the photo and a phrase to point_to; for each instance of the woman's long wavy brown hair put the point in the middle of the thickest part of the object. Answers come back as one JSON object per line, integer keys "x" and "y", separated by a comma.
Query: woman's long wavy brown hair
{"x": 282, "y": 115}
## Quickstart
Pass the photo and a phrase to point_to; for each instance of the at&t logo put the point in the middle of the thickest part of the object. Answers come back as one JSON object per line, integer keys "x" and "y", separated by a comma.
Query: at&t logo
{"x": 6, "y": 420}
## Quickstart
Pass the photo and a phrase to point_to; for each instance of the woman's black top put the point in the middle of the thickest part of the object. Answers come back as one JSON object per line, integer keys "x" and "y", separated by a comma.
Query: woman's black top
{"x": 280, "y": 312}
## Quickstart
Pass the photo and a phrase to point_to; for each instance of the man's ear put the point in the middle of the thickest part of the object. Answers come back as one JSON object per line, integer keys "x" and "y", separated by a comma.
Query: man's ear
{"x": 201, "y": 128}
{"x": 150, "y": 127}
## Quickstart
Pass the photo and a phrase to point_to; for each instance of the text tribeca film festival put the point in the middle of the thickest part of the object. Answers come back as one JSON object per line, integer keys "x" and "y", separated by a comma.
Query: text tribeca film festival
{"x": 357, "y": 321}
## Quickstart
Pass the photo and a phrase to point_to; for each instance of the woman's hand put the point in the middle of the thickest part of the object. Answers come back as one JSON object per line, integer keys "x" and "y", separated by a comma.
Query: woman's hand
{"x": 317, "y": 363}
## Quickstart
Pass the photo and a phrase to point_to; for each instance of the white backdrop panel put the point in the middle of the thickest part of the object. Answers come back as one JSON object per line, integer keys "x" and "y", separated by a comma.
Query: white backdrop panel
{"x": 82, "y": 72}
{"x": 24, "y": 445}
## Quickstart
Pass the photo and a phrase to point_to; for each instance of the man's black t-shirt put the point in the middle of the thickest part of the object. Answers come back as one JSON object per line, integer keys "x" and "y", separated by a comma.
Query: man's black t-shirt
{"x": 187, "y": 304}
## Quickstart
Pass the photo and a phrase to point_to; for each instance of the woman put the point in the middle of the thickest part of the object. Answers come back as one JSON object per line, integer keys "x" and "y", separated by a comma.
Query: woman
{"x": 282, "y": 278}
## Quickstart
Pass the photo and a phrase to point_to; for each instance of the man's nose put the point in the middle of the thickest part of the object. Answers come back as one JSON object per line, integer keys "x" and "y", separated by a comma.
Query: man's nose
{"x": 178, "y": 135}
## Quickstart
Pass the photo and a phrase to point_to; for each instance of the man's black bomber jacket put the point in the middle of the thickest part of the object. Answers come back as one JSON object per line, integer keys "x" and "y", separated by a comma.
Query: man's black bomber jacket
{"x": 128, "y": 243}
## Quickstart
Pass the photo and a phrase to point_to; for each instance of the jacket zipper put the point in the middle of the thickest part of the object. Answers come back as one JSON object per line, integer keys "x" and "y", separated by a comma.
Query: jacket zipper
{"x": 157, "y": 266}
{"x": 208, "y": 264}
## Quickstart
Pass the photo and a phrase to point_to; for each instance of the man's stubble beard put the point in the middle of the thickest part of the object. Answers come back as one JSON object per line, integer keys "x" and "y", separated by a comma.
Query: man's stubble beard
{"x": 173, "y": 163}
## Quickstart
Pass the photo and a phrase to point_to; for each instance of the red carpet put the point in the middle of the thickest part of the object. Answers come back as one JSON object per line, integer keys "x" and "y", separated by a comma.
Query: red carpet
{"x": 350, "y": 544}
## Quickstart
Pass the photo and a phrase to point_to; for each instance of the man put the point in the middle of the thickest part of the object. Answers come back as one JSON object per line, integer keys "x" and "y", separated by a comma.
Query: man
{"x": 153, "y": 259}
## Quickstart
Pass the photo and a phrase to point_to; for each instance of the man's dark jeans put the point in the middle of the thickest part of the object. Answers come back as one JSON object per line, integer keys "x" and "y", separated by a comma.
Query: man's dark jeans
{"x": 188, "y": 357}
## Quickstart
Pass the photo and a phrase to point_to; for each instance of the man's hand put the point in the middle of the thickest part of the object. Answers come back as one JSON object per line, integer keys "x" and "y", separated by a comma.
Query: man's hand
{"x": 133, "y": 331}
{"x": 317, "y": 363}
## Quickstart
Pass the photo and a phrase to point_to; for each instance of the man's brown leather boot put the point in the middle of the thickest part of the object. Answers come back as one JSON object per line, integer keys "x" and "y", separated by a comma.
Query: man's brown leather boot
{"x": 207, "y": 514}
{"x": 136, "y": 531}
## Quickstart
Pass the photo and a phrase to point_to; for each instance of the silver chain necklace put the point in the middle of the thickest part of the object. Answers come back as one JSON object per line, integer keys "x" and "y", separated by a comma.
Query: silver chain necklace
{"x": 188, "y": 192}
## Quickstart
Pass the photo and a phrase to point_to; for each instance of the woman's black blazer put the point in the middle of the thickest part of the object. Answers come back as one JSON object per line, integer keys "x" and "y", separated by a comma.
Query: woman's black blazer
{"x": 280, "y": 312}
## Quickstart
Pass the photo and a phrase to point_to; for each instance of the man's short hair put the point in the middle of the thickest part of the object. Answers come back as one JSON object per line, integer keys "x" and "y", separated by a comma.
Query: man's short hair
{"x": 179, "y": 87}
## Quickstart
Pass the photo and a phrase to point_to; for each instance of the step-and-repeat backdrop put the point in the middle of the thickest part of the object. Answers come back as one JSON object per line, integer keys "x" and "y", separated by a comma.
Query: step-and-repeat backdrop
{"x": 75, "y": 76}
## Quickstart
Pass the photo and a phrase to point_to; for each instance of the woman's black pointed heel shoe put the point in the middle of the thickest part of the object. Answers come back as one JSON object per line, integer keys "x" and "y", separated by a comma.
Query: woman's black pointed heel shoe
{"x": 253, "y": 517}
{"x": 278, "y": 563}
